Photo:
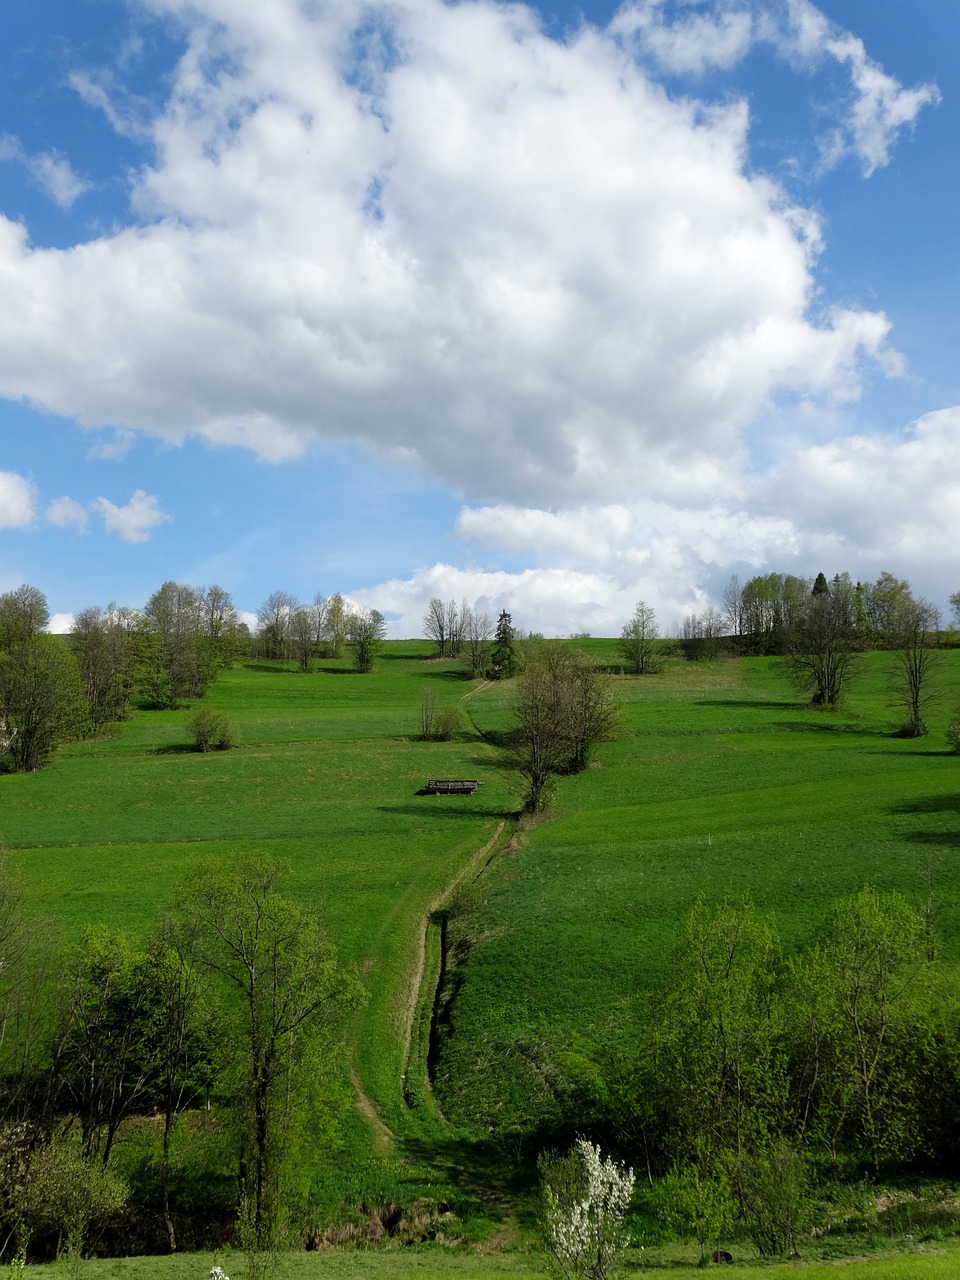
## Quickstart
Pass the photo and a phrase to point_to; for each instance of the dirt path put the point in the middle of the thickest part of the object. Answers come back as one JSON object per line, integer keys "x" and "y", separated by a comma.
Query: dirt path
{"x": 382, "y": 1131}
{"x": 413, "y": 996}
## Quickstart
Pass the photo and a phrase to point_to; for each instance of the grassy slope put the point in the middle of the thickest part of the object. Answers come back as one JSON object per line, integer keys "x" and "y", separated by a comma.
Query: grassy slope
{"x": 325, "y": 779}
{"x": 721, "y": 784}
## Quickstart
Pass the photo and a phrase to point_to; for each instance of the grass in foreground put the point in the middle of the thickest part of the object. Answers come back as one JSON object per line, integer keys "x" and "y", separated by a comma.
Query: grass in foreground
{"x": 436, "y": 1263}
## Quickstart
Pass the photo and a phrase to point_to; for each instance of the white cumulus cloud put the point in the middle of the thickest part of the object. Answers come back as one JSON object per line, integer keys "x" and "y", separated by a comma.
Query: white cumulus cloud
{"x": 49, "y": 170}
{"x": 18, "y": 498}
{"x": 67, "y": 512}
{"x": 869, "y": 116}
{"x": 512, "y": 261}
{"x": 135, "y": 521}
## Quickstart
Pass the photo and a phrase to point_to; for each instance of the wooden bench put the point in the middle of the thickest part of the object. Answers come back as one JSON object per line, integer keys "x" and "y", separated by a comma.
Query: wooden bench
{"x": 453, "y": 787}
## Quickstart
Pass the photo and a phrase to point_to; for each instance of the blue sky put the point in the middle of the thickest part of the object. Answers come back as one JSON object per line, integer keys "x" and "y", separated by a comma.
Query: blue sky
{"x": 550, "y": 309}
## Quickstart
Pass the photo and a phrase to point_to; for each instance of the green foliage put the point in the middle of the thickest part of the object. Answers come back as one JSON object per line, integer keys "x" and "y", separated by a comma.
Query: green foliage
{"x": 211, "y": 730}
{"x": 503, "y": 655}
{"x": 693, "y": 1204}
{"x": 70, "y": 1194}
{"x": 366, "y": 629}
{"x": 41, "y": 701}
{"x": 562, "y": 709}
{"x": 771, "y": 1186}
{"x": 953, "y": 734}
{"x": 718, "y": 1030}
{"x": 859, "y": 997}
{"x": 639, "y": 643}
{"x": 286, "y": 994}
{"x": 23, "y": 615}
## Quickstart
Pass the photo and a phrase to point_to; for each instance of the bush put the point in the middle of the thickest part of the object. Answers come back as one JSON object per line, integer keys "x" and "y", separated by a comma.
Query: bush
{"x": 584, "y": 1201}
{"x": 447, "y": 724}
{"x": 953, "y": 734}
{"x": 211, "y": 730}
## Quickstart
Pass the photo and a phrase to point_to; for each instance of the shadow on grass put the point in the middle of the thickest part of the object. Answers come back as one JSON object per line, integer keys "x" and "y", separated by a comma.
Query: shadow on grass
{"x": 949, "y": 803}
{"x": 501, "y": 1175}
{"x": 838, "y": 730}
{"x": 940, "y": 838}
{"x": 750, "y": 704}
{"x": 446, "y": 806}
{"x": 178, "y": 749}
{"x": 458, "y": 676}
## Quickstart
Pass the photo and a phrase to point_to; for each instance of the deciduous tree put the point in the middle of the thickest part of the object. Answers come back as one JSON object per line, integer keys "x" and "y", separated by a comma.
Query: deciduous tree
{"x": 825, "y": 643}
{"x": 913, "y": 636}
{"x": 477, "y": 632}
{"x": 41, "y": 701}
{"x": 366, "y": 631}
{"x": 273, "y": 623}
{"x": 584, "y": 1201}
{"x": 104, "y": 644}
{"x": 286, "y": 993}
{"x": 639, "y": 641}
{"x": 23, "y": 614}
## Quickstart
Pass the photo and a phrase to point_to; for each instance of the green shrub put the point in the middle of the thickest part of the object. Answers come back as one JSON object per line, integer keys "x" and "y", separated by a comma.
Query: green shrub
{"x": 953, "y": 734}
{"x": 447, "y": 724}
{"x": 211, "y": 730}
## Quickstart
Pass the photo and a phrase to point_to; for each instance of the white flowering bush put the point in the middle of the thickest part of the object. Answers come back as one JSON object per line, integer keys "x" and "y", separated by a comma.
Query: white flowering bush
{"x": 585, "y": 1199}
{"x": 218, "y": 1273}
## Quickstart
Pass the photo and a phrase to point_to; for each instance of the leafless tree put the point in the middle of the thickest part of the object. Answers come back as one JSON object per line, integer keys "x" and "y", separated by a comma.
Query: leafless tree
{"x": 478, "y": 630}
{"x": 273, "y": 623}
{"x": 913, "y": 634}
{"x": 435, "y": 625}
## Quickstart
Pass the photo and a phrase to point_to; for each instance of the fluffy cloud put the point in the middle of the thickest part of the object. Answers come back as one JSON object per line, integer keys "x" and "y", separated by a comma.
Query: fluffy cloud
{"x": 50, "y": 171}
{"x": 870, "y": 116}
{"x": 135, "y": 521}
{"x": 65, "y": 513}
{"x": 17, "y": 501}
{"x": 863, "y": 504}
{"x": 514, "y": 262}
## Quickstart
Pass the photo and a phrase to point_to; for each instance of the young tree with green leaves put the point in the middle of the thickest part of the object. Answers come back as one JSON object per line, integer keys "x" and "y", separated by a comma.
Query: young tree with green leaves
{"x": 722, "y": 1071}
{"x": 366, "y": 631}
{"x": 824, "y": 643}
{"x": 41, "y": 701}
{"x": 103, "y": 642}
{"x": 23, "y": 615}
{"x": 284, "y": 995}
{"x": 858, "y": 1000}
{"x": 639, "y": 642}
{"x": 100, "y": 1060}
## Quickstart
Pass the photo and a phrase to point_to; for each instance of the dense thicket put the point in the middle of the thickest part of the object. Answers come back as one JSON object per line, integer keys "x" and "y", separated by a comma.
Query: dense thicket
{"x": 843, "y": 1058}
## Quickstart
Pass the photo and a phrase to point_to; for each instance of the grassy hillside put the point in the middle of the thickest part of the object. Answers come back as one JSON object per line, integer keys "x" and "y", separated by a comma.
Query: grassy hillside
{"x": 326, "y": 779}
{"x": 721, "y": 784}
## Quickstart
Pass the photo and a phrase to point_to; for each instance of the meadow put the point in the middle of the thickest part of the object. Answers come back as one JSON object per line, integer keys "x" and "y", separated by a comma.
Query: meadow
{"x": 719, "y": 783}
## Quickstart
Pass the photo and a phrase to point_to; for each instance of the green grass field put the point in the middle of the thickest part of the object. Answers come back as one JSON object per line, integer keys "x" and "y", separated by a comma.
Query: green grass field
{"x": 720, "y": 783}
{"x": 437, "y": 1263}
